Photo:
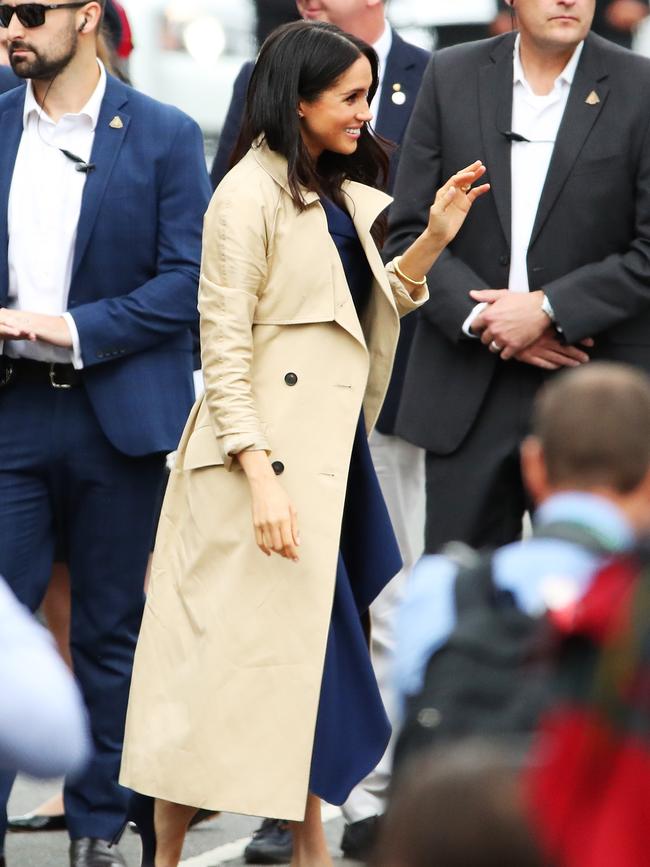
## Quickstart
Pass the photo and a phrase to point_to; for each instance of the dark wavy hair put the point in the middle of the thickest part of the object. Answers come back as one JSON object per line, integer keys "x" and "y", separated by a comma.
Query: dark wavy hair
{"x": 298, "y": 62}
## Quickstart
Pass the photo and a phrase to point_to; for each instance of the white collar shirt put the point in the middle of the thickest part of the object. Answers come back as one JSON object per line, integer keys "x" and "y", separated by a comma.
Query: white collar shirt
{"x": 382, "y": 46}
{"x": 536, "y": 118}
{"x": 43, "y": 216}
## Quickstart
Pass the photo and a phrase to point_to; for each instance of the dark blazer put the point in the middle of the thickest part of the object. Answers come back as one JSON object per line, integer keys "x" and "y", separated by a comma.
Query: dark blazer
{"x": 405, "y": 67}
{"x": 590, "y": 246}
{"x": 136, "y": 264}
{"x": 8, "y": 79}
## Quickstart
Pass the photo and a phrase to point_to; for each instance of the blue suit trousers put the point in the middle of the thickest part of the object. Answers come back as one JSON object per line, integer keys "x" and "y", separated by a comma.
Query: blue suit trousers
{"x": 63, "y": 486}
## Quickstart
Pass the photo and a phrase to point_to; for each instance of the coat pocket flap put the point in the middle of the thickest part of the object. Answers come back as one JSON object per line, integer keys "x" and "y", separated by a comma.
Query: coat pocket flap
{"x": 202, "y": 450}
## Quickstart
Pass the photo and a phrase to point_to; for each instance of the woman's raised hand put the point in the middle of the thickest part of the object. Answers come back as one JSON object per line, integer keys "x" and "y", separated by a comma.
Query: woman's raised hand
{"x": 453, "y": 202}
{"x": 446, "y": 216}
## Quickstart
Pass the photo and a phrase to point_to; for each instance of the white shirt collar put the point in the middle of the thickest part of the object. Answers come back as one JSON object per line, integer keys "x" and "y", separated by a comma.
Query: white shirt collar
{"x": 383, "y": 46}
{"x": 567, "y": 75}
{"x": 91, "y": 109}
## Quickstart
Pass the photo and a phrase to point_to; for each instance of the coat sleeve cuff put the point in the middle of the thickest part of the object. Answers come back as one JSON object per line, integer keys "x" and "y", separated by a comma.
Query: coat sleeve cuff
{"x": 404, "y": 301}
{"x": 232, "y": 444}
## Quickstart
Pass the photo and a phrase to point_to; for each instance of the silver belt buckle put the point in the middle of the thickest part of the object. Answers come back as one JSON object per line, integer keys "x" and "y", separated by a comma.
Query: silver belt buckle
{"x": 53, "y": 381}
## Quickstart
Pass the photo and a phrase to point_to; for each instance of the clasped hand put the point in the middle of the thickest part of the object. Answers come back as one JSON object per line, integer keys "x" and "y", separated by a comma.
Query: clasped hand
{"x": 23, "y": 325}
{"x": 515, "y": 326}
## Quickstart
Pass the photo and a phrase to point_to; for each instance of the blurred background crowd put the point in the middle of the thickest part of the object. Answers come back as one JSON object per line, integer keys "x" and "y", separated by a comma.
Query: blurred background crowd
{"x": 188, "y": 52}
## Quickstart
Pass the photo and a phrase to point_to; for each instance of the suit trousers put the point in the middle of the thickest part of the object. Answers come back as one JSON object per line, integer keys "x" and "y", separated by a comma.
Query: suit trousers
{"x": 400, "y": 470}
{"x": 62, "y": 482}
{"x": 476, "y": 494}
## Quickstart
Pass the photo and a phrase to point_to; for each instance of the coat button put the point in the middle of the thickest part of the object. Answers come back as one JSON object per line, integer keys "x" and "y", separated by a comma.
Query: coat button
{"x": 504, "y": 260}
{"x": 277, "y": 467}
{"x": 291, "y": 379}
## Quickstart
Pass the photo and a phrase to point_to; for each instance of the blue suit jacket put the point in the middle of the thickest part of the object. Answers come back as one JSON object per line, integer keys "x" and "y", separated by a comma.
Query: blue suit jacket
{"x": 405, "y": 67}
{"x": 133, "y": 293}
{"x": 8, "y": 79}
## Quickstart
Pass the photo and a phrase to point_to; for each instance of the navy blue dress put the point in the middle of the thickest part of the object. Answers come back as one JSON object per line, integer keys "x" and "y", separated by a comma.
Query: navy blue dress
{"x": 352, "y": 729}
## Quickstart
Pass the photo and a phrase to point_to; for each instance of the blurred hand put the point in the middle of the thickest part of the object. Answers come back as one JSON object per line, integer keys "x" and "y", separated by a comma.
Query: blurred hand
{"x": 22, "y": 325}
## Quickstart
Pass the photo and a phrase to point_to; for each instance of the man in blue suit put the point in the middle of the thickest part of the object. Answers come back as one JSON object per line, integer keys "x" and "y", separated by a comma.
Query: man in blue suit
{"x": 102, "y": 195}
{"x": 8, "y": 79}
{"x": 400, "y": 466}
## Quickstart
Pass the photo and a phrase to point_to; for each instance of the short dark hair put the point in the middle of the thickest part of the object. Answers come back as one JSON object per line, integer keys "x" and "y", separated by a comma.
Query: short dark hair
{"x": 297, "y": 62}
{"x": 593, "y": 424}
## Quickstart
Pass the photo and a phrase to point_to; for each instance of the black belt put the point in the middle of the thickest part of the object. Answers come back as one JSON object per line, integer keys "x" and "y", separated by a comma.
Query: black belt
{"x": 21, "y": 370}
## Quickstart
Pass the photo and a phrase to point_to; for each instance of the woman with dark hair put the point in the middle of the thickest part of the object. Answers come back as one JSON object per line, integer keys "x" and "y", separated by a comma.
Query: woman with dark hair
{"x": 252, "y": 688}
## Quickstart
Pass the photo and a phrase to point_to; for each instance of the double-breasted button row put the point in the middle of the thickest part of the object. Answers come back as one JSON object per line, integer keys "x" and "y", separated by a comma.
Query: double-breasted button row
{"x": 291, "y": 378}
{"x": 277, "y": 467}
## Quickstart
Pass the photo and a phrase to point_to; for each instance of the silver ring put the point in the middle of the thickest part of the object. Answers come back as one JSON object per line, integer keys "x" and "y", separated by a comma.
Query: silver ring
{"x": 494, "y": 347}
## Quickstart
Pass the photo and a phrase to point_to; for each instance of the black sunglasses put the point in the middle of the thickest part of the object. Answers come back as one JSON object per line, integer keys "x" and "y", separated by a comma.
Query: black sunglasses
{"x": 32, "y": 14}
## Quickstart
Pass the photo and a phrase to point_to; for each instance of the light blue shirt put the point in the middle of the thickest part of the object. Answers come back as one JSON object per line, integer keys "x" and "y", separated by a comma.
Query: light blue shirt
{"x": 43, "y": 725}
{"x": 540, "y": 573}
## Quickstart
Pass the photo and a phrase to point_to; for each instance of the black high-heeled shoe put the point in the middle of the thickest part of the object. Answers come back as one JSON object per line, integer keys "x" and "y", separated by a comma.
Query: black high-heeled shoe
{"x": 140, "y": 815}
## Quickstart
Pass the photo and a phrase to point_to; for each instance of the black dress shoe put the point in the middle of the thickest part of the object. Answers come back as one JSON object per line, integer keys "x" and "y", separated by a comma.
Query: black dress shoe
{"x": 271, "y": 844}
{"x": 34, "y": 822}
{"x": 93, "y": 852}
{"x": 359, "y": 838}
{"x": 3, "y": 863}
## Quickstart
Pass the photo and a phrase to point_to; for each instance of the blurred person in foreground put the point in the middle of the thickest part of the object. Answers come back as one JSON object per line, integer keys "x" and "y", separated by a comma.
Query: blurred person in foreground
{"x": 461, "y": 806}
{"x": 265, "y": 610}
{"x": 96, "y": 374}
{"x": 540, "y": 277}
{"x": 587, "y": 465}
{"x": 399, "y": 464}
{"x": 43, "y": 722}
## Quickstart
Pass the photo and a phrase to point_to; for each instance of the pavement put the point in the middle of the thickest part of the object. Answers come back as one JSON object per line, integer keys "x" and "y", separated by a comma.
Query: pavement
{"x": 219, "y": 841}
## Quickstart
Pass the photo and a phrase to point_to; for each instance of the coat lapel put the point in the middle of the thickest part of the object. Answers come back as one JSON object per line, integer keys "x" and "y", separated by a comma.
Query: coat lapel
{"x": 367, "y": 205}
{"x": 495, "y": 107}
{"x": 577, "y": 122}
{"x": 392, "y": 116}
{"x": 11, "y": 124}
{"x": 109, "y": 138}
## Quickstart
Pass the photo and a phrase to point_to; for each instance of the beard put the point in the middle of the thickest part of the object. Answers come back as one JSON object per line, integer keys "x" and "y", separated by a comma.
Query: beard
{"x": 42, "y": 67}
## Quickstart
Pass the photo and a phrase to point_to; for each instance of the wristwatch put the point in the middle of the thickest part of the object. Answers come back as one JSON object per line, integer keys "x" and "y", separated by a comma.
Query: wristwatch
{"x": 548, "y": 309}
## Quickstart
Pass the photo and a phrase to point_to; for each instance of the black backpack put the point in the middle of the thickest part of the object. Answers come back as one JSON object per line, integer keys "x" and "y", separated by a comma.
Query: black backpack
{"x": 491, "y": 679}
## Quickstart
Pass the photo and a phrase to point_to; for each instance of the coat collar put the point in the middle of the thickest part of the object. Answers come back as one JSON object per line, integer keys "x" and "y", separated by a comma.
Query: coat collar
{"x": 109, "y": 138}
{"x": 106, "y": 146}
{"x": 366, "y": 203}
{"x": 579, "y": 118}
{"x": 495, "y": 90}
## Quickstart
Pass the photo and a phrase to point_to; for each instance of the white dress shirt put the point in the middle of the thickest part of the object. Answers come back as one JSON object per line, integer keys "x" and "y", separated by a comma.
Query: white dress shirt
{"x": 382, "y": 46}
{"x": 536, "y": 118}
{"x": 43, "y": 723}
{"x": 43, "y": 215}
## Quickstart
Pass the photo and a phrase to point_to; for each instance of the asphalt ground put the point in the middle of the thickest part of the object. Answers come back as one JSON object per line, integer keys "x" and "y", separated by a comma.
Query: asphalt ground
{"x": 218, "y": 841}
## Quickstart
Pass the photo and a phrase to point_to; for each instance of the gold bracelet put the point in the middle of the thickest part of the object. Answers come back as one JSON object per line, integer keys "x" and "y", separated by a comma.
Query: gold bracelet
{"x": 403, "y": 276}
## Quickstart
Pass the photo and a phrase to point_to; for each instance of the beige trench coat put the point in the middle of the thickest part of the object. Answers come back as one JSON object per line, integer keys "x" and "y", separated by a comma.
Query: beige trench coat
{"x": 229, "y": 661}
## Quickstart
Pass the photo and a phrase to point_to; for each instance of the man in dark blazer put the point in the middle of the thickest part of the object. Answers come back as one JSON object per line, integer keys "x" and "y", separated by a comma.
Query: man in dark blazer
{"x": 102, "y": 196}
{"x": 564, "y": 255}
{"x": 400, "y": 466}
{"x": 8, "y": 79}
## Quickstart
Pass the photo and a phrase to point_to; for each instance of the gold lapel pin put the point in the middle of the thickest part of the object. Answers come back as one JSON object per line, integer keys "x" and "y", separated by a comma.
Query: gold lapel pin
{"x": 116, "y": 123}
{"x": 398, "y": 97}
{"x": 593, "y": 98}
